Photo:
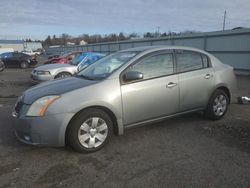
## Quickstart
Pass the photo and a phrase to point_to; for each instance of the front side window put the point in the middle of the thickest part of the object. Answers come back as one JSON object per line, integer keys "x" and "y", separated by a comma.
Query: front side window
{"x": 155, "y": 66}
{"x": 188, "y": 61}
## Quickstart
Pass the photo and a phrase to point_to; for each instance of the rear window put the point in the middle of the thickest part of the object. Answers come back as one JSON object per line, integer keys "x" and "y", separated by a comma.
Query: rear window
{"x": 6, "y": 55}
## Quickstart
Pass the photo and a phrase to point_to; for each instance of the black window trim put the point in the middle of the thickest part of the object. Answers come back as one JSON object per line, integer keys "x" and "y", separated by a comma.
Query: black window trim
{"x": 199, "y": 53}
{"x": 159, "y": 52}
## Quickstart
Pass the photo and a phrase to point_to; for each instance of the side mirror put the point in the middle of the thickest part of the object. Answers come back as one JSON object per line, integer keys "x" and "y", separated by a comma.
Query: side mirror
{"x": 132, "y": 76}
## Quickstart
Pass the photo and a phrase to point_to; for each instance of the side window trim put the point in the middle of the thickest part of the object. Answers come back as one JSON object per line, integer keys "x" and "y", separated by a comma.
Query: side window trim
{"x": 148, "y": 56}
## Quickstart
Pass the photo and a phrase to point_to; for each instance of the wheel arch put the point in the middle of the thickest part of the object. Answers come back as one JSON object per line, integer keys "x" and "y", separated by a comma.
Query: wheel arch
{"x": 105, "y": 109}
{"x": 60, "y": 72}
{"x": 226, "y": 90}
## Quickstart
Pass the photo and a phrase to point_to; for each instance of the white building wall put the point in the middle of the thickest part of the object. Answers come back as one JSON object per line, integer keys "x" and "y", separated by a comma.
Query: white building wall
{"x": 16, "y": 47}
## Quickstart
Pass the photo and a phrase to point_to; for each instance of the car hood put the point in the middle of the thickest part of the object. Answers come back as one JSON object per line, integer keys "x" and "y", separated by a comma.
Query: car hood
{"x": 55, "y": 87}
{"x": 52, "y": 66}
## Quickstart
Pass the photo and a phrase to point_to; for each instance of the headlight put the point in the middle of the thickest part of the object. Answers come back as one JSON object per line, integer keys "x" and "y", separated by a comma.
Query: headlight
{"x": 43, "y": 72}
{"x": 39, "y": 107}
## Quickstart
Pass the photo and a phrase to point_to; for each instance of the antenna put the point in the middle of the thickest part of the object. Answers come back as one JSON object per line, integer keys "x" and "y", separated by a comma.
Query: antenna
{"x": 224, "y": 20}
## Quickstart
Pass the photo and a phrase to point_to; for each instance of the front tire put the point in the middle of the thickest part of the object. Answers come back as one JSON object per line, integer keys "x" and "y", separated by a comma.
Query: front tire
{"x": 90, "y": 130}
{"x": 62, "y": 75}
{"x": 217, "y": 106}
{"x": 24, "y": 65}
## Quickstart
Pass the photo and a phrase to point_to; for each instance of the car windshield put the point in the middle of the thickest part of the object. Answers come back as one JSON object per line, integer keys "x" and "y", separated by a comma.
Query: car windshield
{"x": 77, "y": 59}
{"x": 104, "y": 67}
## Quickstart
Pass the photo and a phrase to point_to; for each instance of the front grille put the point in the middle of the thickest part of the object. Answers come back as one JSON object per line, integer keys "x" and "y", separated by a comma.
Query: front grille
{"x": 18, "y": 106}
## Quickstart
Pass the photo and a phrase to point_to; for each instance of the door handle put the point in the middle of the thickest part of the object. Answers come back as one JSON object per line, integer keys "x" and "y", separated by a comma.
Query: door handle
{"x": 207, "y": 76}
{"x": 171, "y": 84}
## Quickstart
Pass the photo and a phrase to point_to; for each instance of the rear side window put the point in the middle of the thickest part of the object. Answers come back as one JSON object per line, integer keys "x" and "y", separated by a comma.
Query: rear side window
{"x": 155, "y": 66}
{"x": 205, "y": 61}
{"x": 188, "y": 61}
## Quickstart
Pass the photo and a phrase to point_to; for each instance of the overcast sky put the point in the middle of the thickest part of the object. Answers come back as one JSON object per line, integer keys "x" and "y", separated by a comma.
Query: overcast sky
{"x": 39, "y": 18}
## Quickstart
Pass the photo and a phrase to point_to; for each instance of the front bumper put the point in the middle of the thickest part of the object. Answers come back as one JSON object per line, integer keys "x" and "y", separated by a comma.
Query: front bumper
{"x": 41, "y": 77}
{"x": 48, "y": 130}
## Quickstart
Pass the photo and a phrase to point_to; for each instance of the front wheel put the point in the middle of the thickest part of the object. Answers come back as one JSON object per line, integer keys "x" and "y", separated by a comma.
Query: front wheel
{"x": 218, "y": 105}
{"x": 62, "y": 75}
{"x": 24, "y": 65}
{"x": 90, "y": 130}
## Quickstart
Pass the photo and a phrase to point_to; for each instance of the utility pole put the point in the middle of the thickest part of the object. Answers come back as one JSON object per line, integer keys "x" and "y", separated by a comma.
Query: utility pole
{"x": 224, "y": 20}
{"x": 158, "y": 31}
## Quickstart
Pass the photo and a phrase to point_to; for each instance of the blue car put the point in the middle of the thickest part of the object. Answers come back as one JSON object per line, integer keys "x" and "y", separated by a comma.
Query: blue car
{"x": 85, "y": 59}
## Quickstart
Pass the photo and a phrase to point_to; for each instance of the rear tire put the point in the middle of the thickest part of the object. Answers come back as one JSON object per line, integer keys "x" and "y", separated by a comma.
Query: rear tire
{"x": 63, "y": 75}
{"x": 217, "y": 105}
{"x": 24, "y": 65}
{"x": 90, "y": 130}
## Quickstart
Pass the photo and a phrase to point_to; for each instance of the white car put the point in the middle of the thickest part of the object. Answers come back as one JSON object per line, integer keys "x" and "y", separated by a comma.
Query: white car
{"x": 30, "y": 52}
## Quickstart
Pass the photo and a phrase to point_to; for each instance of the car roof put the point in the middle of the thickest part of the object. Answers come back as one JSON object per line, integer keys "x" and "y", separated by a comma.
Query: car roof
{"x": 162, "y": 47}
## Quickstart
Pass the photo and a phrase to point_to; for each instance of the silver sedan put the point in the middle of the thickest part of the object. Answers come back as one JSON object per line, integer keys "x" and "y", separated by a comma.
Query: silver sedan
{"x": 54, "y": 71}
{"x": 125, "y": 89}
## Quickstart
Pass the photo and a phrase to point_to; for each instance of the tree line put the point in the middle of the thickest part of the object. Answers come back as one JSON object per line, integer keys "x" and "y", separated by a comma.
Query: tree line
{"x": 65, "y": 39}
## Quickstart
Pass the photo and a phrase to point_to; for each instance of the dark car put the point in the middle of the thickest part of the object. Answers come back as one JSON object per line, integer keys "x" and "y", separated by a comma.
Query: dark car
{"x": 53, "y": 56}
{"x": 2, "y": 66}
{"x": 64, "y": 59}
{"x": 17, "y": 59}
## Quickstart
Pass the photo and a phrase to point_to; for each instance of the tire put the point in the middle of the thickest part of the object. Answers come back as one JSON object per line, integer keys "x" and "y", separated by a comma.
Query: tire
{"x": 90, "y": 130}
{"x": 1, "y": 69}
{"x": 217, "y": 105}
{"x": 24, "y": 65}
{"x": 63, "y": 75}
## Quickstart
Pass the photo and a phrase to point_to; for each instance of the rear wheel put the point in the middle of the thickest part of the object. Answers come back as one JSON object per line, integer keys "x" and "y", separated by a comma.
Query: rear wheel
{"x": 217, "y": 106}
{"x": 90, "y": 131}
{"x": 63, "y": 75}
{"x": 24, "y": 65}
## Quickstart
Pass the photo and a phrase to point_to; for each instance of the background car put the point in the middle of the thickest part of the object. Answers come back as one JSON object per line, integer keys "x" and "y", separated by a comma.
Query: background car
{"x": 17, "y": 59}
{"x": 125, "y": 89}
{"x": 2, "y": 66}
{"x": 53, "y": 71}
{"x": 54, "y": 56}
{"x": 30, "y": 52}
{"x": 66, "y": 58}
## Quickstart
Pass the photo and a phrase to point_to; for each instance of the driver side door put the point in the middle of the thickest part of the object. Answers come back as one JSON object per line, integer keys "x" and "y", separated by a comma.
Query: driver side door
{"x": 156, "y": 95}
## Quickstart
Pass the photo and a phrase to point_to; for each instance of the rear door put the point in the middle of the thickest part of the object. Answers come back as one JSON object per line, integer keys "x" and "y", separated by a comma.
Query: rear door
{"x": 156, "y": 95}
{"x": 196, "y": 79}
{"x": 17, "y": 59}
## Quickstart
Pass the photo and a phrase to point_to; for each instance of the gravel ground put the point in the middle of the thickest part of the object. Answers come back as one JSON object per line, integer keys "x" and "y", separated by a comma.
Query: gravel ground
{"x": 187, "y": 151}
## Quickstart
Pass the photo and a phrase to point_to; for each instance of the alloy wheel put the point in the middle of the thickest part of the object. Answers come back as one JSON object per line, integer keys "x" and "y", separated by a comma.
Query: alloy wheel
{"x": 93, "y": 132}
{"x": 220, "y": 105}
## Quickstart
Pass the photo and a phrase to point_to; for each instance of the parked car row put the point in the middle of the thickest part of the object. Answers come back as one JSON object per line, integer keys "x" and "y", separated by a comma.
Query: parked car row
{"x": 58, "y": 70}
{"x": 125, "y": 89}
{"x": 66, "y": 58}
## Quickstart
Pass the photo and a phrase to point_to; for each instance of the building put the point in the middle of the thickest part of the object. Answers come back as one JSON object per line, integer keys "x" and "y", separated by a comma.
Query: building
{"x": 16, "y": 45}
{"x": 20, "y": 45}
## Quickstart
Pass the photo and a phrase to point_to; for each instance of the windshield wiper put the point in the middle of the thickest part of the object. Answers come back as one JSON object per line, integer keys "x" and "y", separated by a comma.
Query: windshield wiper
{"x": 85, "y": 77}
